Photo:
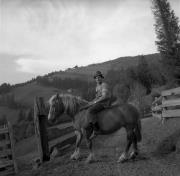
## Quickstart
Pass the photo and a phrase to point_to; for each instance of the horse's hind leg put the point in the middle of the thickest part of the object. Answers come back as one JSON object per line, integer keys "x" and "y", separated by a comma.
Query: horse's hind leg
{"x": 91, "y": 156}
{"x": 124, "y": 156}
{"x": 134, "y": 153}
{"x": 76, "y": 153}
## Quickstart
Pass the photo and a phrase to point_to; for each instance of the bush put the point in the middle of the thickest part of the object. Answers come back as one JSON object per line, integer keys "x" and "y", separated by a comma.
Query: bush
{"x": 3, "y": 120}
{"x": 137, "y": 92}
{"x": 24, "y": 127}
{"x": 5, "y": 88}
{"x": 122, "y": 93}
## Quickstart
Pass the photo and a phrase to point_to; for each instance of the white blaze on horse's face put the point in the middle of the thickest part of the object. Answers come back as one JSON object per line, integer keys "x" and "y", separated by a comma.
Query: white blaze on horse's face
{"x": 51, "y": 114}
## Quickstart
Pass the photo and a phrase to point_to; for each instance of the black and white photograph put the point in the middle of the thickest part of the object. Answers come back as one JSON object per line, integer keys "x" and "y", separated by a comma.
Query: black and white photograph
{"x": 89, "y": 87}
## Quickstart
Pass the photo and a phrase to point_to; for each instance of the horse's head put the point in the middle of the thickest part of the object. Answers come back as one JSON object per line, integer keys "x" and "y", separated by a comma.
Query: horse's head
{"x": 64, "y": 103}
{"x": 56, "y": 107}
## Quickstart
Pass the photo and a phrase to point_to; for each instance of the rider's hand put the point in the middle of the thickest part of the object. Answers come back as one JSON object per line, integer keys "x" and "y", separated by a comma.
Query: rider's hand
{"x": 92, "y": 102}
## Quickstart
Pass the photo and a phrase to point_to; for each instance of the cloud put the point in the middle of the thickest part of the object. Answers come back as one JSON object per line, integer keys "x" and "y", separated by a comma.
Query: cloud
{"x": 49, "y": 35}
{"x": 36, "y": 66}
{"x": 9, "y": 69}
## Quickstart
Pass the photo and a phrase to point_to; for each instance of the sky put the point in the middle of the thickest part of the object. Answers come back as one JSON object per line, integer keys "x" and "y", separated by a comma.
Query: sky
{"x": 41, "y": 36}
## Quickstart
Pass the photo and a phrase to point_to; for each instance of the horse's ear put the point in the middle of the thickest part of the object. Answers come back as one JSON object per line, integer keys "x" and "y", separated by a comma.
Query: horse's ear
{"x": 57, "y": 95}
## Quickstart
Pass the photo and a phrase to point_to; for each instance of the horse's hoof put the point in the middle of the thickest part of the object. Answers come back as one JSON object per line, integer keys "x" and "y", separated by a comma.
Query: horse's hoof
{"x": 90, "y": 159}
{"x": 123, "y": 158}
{"x": 133, "y": 155}
{"x": 74, "y": 157}
{"x": 54, "y": 153}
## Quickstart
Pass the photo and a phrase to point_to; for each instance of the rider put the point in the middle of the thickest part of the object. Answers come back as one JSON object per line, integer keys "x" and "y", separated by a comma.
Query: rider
{"x": 101, "y": 101}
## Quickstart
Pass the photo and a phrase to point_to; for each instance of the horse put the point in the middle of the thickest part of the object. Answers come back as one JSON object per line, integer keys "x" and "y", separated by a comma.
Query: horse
{"x": 109, "y": 120}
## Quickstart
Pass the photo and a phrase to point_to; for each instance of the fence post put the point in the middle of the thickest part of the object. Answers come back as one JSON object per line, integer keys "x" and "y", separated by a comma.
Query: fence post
{"x": 12, "y": 146}
{"x": 40, "y": 121}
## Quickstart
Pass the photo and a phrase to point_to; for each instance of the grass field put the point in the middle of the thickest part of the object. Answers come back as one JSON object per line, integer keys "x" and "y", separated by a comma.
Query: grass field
{"x": 157, "y": 139}
{"x": 11, "y": 114}
{"x": 26, "y": 94}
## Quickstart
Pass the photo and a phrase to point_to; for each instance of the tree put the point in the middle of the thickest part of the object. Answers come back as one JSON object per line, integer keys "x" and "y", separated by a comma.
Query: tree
{"x": 121, "y": 92}
{"x": 130, "y": 76}
{"x": 11, "y": 101}
{"x": 113, "y": 77}
{"x": 21, "y": 116}
{"x": 157, "y": 74}
{"x": 3, "y": 119}
{"x": 5, "y": 88}
{"x": 137, "y": 94}
{"x": 143, "y": 74}
{"x": 29, "y": 116}
{"x": 167, "y": 30}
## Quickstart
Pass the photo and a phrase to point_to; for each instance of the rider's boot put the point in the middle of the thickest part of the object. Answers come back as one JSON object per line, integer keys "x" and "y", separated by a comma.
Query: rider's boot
{"x": 96, "y": 130}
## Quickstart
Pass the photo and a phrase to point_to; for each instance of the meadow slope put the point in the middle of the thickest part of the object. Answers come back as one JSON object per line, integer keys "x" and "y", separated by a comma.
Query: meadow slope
{"x": 158, "y": 155}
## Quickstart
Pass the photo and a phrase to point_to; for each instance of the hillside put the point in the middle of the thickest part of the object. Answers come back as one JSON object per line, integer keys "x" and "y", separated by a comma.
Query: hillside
{"x": 11, "y": 114}
{"x": 116, "y": 64}
{"x": 26, "y": 92}
{"x": 25, "y": 95}
{"x": 70, "y": 73}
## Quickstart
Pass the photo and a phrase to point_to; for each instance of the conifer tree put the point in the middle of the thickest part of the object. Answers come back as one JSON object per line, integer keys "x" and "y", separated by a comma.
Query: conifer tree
{"x": 167, "y": 30}
{"x": 143, "y": 74}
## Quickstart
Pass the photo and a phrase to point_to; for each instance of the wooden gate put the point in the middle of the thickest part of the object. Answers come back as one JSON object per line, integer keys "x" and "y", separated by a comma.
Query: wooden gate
{"x": 7, "y": 157}
{"x": 48, "y": 137}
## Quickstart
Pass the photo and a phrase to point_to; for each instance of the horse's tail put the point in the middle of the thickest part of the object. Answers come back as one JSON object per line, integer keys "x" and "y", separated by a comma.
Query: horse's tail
{"x": 137, "y": 131}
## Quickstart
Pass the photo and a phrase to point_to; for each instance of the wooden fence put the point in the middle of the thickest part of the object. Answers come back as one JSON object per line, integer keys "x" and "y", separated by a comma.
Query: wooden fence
{"x": 167, "y": 105}
{"x": 7, "y": 157}
{"x": 48, "y": 137}
{"x": 146, "y": 113}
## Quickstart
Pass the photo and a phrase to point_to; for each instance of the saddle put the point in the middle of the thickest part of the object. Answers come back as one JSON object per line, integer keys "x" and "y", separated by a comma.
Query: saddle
{"x": 112, "y": 102}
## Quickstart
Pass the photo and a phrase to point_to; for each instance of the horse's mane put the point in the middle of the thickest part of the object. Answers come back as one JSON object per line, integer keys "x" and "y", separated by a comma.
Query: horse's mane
{"x": 70, "y": 102}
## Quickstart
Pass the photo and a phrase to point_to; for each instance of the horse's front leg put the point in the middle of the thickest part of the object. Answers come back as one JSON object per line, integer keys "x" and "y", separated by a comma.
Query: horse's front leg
{"x": 76, "y": 154}
{"x": 91, "y": 156}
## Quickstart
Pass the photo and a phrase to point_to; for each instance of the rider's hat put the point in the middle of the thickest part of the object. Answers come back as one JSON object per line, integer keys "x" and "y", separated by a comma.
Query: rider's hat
{"x": 98, "y": 73}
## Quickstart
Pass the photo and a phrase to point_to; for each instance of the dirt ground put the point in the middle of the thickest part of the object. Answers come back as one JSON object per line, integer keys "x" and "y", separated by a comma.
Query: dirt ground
{"x": 159, "y": 155}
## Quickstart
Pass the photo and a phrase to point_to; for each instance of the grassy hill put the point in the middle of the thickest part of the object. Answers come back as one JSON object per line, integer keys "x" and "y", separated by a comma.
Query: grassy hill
{"x": 29, "y": 91}
{"x": 26, "y": 95}
{"x": 26, "y": 92}
{"x": 116, "y": 64}
{"x": 70, "y": 74}
{"x": 11, "y": 114}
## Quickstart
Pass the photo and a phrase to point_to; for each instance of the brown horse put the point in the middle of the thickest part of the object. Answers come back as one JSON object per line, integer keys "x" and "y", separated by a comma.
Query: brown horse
{"x": 109, "y": 120}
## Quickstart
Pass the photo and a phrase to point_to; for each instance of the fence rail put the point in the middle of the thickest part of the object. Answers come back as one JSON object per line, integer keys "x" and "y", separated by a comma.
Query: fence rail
{"x": 167, "y": 105}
